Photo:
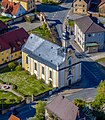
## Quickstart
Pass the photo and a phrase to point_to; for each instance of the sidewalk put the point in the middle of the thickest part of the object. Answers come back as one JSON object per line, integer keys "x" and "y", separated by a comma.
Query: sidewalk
{"x": 71, "y": 91}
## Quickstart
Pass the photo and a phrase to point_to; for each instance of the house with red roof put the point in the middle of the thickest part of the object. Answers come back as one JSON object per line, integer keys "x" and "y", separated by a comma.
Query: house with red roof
{"x": 13, "y": 117}
{"x": 102, "y": 8}
{"x": 11, "y": 44}
{"x": 12, "y": 8}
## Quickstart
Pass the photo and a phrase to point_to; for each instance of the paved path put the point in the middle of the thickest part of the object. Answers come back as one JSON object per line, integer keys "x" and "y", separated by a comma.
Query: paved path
{"x": 27, "y": 25}
{"x": 10, "y": 90}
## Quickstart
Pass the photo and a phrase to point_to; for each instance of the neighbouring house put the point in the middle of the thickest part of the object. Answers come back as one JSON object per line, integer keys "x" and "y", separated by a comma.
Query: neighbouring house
{"x": 12, "y": 8}
{"x": 11, "y": 43}
{"x": 81, "y": 6}
{"x": 62, "y": 109}
{"x": 3, "y": 27}
{"x": 89, "y": 34}
{"x": 102, "y": 8}
{"x": 28, "y": 5}
{"x": 85, "y": 6}
{"x": 13, "y": 117}
{"x": 45, "y": 59}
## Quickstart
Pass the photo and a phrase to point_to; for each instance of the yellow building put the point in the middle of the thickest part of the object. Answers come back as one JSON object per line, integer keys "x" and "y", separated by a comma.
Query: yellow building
{"x": 45, "y": 59}
{"x": 10, "y": 45}
{"x": 28, "y": 5}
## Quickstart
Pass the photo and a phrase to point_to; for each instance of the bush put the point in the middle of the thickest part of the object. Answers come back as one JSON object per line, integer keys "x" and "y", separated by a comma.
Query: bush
{"x": 40, "y": 111}
{"x": 18, "y": 68}
{"x": 11, "y": 65}
{"x": 79, "y": 103}
{"x": 26, "y": 72}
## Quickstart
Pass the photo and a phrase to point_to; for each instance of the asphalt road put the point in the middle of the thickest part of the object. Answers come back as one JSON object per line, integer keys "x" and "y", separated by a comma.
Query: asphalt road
{"x": 85, "y": 94}
{"x": 92, "y": 74}
{"x": 56, "y": 14}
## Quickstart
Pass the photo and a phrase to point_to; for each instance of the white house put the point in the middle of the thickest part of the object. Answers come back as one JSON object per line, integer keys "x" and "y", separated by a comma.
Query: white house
{"x": 89, "y": 34}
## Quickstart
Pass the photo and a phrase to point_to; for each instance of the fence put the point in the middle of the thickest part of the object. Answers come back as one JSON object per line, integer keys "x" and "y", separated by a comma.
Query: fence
{"x": 47, "y": 93}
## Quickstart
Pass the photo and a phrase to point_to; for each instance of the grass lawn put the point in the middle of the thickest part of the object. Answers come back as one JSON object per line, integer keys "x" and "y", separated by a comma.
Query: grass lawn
{"x": 71, "y": 23}
{"x": 26, "y": 84}
{"x": 42, "y": 32}
{"x": 4, "y": 18}
{"x": 100, "y": 60}
{"x": 8, "y": 99}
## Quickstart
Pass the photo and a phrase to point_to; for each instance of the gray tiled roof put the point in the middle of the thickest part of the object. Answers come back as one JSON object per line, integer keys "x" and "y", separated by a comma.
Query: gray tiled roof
{"x": 63, "y": 108}
{"x": 43, "y": 51}
{"x": 87, "y": 25}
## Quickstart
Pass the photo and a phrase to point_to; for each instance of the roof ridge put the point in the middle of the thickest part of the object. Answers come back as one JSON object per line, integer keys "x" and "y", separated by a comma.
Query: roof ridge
{"x": 89, "y": 27}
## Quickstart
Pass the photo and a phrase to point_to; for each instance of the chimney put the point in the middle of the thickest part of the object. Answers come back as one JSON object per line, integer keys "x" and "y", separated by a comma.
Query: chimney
{"x": 63, "y": 97}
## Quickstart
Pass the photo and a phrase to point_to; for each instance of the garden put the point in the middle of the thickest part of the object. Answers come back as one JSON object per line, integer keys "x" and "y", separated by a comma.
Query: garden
{"x": 42, "y": 32}
{"x": 7, "y": 99}
{"x": 22, "y": 82}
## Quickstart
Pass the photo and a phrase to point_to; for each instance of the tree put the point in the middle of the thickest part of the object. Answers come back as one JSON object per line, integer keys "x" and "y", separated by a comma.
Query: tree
{"x": 101, "y": 87}
{"x": 18, "y": 68}
{"x": 100, "y": 96}
{"x": 11, "y": 65}
{"x": 40, "y": 111}
{"x": 79, "y": 103}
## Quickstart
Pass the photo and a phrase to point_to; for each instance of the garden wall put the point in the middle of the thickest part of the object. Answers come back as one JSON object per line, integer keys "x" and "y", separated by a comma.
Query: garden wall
{"x": 14, "y": 107}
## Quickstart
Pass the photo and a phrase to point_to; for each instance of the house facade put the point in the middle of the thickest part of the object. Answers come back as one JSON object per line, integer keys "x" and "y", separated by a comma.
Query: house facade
{"x": 10, "y": 45}
{"x": 102, "y": 8}
{"x": 89, "y": 7}
{"x": 45, "y": 59}
{"x": 89, "y": 35}
{"x": 81, "y": 6}
{"x": 28, "y": 5}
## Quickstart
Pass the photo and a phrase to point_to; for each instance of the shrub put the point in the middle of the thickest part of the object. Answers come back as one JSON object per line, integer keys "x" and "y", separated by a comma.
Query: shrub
{"x": 18, "y": 68}
{"x": 50, "y": 83}
{"x": 79, "y": 103}
{"x": 11, "y": 65}
{"x": 26, "y": 72}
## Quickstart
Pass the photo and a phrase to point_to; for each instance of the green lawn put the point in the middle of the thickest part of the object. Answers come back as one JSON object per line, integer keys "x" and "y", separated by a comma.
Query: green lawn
{"x": 26, "y": 84}
{"x": 42, "y": 32}
{"x": 100, "y": 60}
{"x": 8, "y": 99}
{"x": 4, "y": 18}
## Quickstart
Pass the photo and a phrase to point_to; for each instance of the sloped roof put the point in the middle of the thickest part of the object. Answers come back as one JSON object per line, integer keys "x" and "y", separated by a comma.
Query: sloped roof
{"x": 87, "y": 25}
{"x": 102, "y": 2}
{"x": 2, "y": 25}
{"x": 13, "y": 39}
{"x": 11, "y": 7}
{"x": 16, "y": 7}
{"x": 43, "y": 51}
{"x": 13, "y": 117}
{"x": 63, "y": 108}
